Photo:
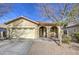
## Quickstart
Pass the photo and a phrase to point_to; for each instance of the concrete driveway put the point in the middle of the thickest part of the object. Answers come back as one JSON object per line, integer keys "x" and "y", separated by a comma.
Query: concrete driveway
{"x": 44, "y": 47}
{"x": 36, "y": 47}
{"x": 15, "y": 47}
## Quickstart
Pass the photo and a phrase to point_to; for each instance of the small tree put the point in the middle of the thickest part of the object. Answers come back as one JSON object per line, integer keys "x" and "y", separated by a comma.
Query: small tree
{"x": 47, "y": 11}
{"x": 50, "y": 13}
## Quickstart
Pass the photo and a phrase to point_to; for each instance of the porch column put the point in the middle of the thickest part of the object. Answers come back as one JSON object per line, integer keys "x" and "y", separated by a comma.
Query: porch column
{"x": 7, "y": 33}
{"x": 37, "y": 32}
{"x": 48, "y": 30}
{"x": 10, "y": 32}
{"x": 59, "y": 35}
{"x": 2, "y": 35}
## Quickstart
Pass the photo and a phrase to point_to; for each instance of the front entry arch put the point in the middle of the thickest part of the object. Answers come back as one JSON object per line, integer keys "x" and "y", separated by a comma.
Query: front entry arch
{"x": 54, "y": 29}
{"x": 42, "y": 32}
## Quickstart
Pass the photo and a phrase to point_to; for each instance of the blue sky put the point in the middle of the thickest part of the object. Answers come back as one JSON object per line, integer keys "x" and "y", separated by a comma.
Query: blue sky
{"x": 28, "y": 10}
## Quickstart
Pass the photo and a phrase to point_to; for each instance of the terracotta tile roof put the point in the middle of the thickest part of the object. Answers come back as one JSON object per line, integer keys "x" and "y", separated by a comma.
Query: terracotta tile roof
{"x": 45, "y": 24}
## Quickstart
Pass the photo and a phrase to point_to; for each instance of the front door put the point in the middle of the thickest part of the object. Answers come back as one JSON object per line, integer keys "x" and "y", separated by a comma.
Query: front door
{"x": 42, "y": 32}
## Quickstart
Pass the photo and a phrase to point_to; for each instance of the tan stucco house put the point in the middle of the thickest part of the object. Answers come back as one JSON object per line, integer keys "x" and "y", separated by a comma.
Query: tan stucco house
{"x": 22, "y": 27}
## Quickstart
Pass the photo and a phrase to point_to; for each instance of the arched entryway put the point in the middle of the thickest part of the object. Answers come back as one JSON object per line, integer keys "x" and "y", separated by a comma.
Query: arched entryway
{"x": 54, "y": 29}
{"x": 3, "y": 32}
{"x": 42, "y": 32}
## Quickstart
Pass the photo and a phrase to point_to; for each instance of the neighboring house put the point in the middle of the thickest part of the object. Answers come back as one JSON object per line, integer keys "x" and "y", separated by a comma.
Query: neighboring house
{"x": 72, "y": 28}
{"x": 22, "y": 27}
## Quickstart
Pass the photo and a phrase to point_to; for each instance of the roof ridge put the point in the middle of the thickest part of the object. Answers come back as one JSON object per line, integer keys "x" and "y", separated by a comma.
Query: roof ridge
{"x": 19, "y": 18}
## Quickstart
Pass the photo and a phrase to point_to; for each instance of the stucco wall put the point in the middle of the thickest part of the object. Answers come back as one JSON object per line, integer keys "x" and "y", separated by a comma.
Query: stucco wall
{"x": 23, "y": 28}
{"x": 21, "y": 23}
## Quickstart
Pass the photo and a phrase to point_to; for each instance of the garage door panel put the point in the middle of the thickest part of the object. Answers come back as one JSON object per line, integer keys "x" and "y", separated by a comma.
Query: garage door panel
{"x": 26, "y": 33}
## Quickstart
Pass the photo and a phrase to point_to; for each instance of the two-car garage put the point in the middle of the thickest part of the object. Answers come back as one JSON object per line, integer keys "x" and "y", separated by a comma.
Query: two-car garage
{"x": 24, "y": 32}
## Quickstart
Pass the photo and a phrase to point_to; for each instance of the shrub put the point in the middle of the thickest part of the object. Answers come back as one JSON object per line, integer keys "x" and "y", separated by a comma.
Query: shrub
{"x": 77, "y": 36}
{"x": 66, "y": 39}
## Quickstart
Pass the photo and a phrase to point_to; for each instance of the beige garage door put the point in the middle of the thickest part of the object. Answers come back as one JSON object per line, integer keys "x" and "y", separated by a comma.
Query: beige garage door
{"x": 26, "y": 33}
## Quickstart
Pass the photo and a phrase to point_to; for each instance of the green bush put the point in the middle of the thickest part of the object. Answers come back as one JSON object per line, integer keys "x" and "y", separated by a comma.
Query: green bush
{"x": 66, "y": 39}
{"x": 77, "y": 36}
